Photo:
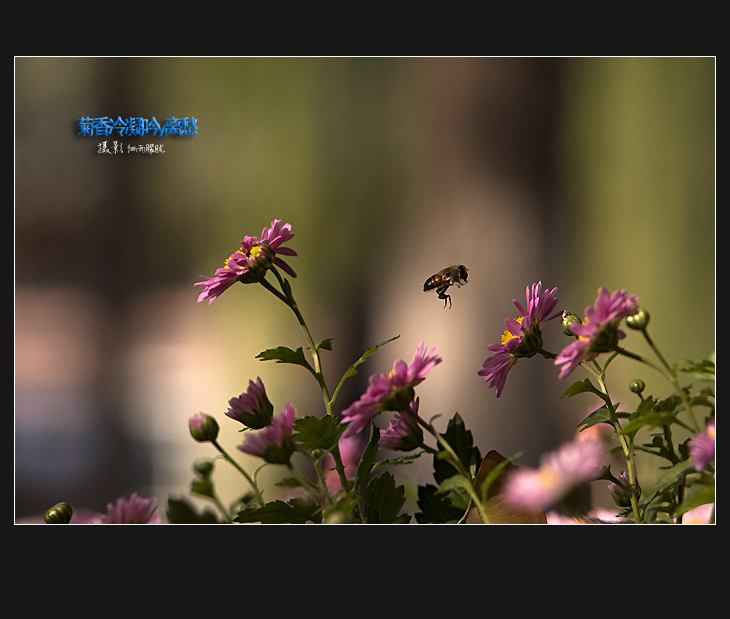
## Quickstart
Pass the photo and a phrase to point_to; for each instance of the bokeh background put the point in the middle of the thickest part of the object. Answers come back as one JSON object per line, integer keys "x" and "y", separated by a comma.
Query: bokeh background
{"x": 577, "y": 172}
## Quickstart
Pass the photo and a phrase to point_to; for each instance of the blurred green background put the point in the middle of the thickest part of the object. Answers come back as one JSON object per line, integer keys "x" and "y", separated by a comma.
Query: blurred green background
{"x": 579, "y": 172}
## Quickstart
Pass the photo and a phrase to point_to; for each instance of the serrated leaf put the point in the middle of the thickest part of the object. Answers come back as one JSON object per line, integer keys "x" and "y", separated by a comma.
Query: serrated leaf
{"x": 318, "y": 433}
{"x": 701, "y": 370}
{"x": 675, "y": 474}
{"x": 461, "y": 441}
{"x": 364, "y": 467}
{"x": 203, "y": 487}
{"x": 278, "y": 512}
{"x": 653, "y": 419}
{"x": 703, "y": 497}
{"x": 435, "y": 507}
{"x": 582, "y": 386}
{"x": 600, "y": 415}
{"x": 324, "y": 344}
{"x": 282, "y": 354}
{"x": 180, "y": 511}
{"x": 382, "y": 501}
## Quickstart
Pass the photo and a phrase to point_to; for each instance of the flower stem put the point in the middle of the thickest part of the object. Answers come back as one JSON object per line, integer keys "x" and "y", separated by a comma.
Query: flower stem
{"x": 235, "y": 464}
{"x": 288, "y": 298}
{"x": 626, "y": 442}
{"x": 672, "y": 376}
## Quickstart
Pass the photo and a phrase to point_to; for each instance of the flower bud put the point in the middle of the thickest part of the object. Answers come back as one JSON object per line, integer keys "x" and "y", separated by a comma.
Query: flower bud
{"x": 252, "y": 408}
{"x": 621, "y": 491}
{"x": 637, "y": 386}
{"x": 203, "y": 428}
{"x": 569, "y": 319}
{"x": 639, "y": 320}
{"x": 203, "y": 467}
{"x": 60, "y": 513}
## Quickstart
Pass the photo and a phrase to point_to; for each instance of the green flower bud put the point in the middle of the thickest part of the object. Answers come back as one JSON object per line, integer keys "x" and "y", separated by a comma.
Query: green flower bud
{"x": 203, "y": 428}
{"x": 637, "y": 386}
{"x": 203, "y": 467}
{"x": 60, "y": 513}
{"x": 639, "y": 320}
{"x": 568, "y": 319}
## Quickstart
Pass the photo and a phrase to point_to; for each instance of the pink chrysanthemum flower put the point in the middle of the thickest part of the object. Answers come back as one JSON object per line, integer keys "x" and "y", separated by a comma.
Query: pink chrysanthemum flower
{"x": 403, "y": 433}
{"x": 252, "y": 408}
{"x": 250, "y": 262}
{"x": 274, "y": 443}
{"x": 521, "y": 338}
{"x": 392, "y": 391}
{"x": 351, "y": 449}
{"x": 134, "y": 510}
{"x": 702, "y": 447}
{"x": 573, "y": 464}
{"x": 599, "y": 331}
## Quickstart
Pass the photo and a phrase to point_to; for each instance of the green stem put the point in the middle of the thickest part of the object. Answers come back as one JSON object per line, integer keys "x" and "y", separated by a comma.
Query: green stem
{"x": 292, "y": 304}
{"x": 288, "y": 298}
{"x": 626, "y": 442}
{"x": 672, "y": 375}
{"x": 235, "y": 464}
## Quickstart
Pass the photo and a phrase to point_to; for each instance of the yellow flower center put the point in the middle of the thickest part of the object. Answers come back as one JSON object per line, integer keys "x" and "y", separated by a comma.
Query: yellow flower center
{"x": 548, "y": 478}
{"x": 507, "y": 336}
{"x": 255, "y": 251}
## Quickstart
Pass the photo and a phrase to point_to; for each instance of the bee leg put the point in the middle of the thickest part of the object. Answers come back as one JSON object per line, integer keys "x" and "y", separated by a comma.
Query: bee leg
{"x": 442, "y": 295}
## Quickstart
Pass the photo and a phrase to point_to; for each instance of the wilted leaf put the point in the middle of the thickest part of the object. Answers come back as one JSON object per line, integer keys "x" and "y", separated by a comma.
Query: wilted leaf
{"x": 493, "y": 471}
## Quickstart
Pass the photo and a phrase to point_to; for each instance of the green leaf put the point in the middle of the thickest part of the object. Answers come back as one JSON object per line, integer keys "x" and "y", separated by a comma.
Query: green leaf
{"x": 297, "y": 511}
{"x": 436, "y": 507}
{"x": 203, "y": 487}
{"x": 701, "y": 370}
{"x": 461, "y": 441}
{"x": 675, "y": 474}
{"x": 181, "y": 511}
{"x": 282, "y": 354}
{"x": 703, "y": 497}
{"x": 382, "y": 501}
{"x": 583, "y": 386}
{"x": 318, "y": 433}
{"x": 600, "y": 415}
{"x": 364, "y": 467}
{"x": 653, "y": 419}
{"x": 324, "y": 344}
{"x": 352, "y": 370}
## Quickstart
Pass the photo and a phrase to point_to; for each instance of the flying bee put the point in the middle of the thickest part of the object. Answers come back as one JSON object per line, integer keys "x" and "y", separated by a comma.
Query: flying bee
{"x": 450, "y": 276}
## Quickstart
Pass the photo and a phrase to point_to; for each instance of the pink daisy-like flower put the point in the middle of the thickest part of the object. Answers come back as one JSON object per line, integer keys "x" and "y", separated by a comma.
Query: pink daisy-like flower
{"x": 573, "y": 464}
{"x": 392, "y": 391}
{"x": 702, "y": 447}
{"x": 599, "y": 331}
{"x": 521, "y": 338}
{"x": 250, "y": 262}
{"x": 252, "y": 408}
{"x": 403, "y": 433}
{"x": 351, "y": 449}
{"x": 274, "y": 443}
{"x": 134, "y": 510}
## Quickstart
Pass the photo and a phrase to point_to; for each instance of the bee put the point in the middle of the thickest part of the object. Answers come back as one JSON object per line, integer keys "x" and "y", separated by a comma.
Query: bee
{"x": 450, "y": 276}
